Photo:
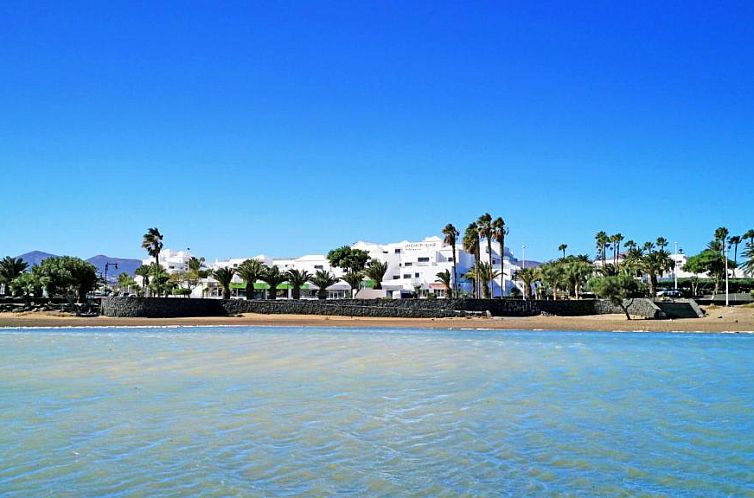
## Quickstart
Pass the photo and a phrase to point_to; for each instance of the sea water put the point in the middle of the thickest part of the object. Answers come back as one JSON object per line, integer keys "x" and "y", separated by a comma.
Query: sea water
{"x": 377, "y": 412}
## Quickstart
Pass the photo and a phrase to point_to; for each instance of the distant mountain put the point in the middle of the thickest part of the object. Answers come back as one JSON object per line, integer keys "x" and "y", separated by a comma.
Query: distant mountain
{"x": 124, "y": 265}
{"x": 35, "y": 257}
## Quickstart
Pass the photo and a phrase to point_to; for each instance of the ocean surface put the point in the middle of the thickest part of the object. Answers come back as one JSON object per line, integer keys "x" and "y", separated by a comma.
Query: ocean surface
{"x": 380, "y": 412}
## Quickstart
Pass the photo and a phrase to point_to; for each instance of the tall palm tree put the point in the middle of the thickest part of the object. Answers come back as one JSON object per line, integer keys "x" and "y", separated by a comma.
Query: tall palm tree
{"x": 375, "y": 271}
{"x": 444, "y": 278}
{"x": 662, "y": 243}
{"x": 630, "y": 245}
{"x": 152, "y": 242}
{"x": 563, "y": 247}
{"x": 11, "y": 269}
{"x": 323, "y": 279}
{"x": 484, "y": 227}
{"x": 499, "y": 231}
{"x": 273, "y": 277}
{"x": 224, "y": 276}
{"x": 250, "y": 271}
{"x": 451, "y": 237}
{"x": 721, "y": 234}
{"x": 602, "y": 240}
{"x": 616, "y": 240}
{"x": 471, "y": 244}
{"x": 735, "y": 240}
{"x": 297, "y": 279}
{"x": 749, "y": 235}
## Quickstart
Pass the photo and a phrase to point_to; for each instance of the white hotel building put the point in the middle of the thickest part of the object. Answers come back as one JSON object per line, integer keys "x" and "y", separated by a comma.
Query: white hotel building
{"x": 412, "y": 267}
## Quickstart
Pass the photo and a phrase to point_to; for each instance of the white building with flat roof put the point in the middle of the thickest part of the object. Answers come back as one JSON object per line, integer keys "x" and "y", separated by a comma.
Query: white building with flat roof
{"x": 412, "y": 268}
{"x": 172, "y": 261}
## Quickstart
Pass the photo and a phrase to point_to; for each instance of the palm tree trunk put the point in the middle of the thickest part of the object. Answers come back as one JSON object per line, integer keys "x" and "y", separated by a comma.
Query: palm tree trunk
{"x": 249, "y": 291}
{"x": 502, "y": 267}
{"x": 455, "y": 274}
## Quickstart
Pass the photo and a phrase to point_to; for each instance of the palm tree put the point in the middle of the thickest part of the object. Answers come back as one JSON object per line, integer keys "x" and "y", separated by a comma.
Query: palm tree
{"x": 125, "y": 282}
{"x": 444, "y": 278}
{"x": 484, "y": 227}
{"x": 11, "y": 269}
{"x": 323, "y": 279}
{"x": 152, "y": 242}
{"x": 656, "y": 263}
{"x": 144, "y": 271}
{"x": 735, "y": 240}
{"x": 297, "y": 279}
{"x": 749, "y": 235}
{"x": 616, "y": 240}
{"x": 748, "y": 266}
{"x": 499, "y": 231}
{"x": 630, "y": 245}
{"x": 471, "y": 244}
{"x": 484, "y": 275}
{"x": 662, "y": 243}
{"x": 577, "y": 270}
{"x": 563, "y": 247}
{"x": 375, "y": 271}
{"x": 224, "y": 276}
{"x": 353, "y": 278}
{"x": 273, "y": 278}
{"x": 721, "y": 234}
{"x": 553, "y": 274}
{"x": 451, "y": 237}
{"x": 250, "y": 271}
{"x": 602, "y": 240}
{"x": 527, "y": 277}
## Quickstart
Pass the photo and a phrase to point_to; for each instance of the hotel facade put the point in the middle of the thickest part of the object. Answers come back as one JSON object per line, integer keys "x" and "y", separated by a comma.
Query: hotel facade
{"x": 412, "y": 269}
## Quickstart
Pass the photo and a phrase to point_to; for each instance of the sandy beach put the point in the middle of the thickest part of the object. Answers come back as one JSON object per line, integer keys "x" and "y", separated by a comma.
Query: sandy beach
{"x": 717, "y": 319}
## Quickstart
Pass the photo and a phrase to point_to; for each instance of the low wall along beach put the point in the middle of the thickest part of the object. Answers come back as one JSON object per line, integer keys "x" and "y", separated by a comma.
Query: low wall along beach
{"x": 402, "y": 308}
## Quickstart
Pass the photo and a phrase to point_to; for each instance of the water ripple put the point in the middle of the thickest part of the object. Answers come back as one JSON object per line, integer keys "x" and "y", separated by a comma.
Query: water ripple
{"x": 300, "y": 412}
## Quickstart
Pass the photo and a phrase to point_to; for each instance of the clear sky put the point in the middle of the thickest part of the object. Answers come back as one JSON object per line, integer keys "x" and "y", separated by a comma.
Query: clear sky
{"x": 292, "y": 127}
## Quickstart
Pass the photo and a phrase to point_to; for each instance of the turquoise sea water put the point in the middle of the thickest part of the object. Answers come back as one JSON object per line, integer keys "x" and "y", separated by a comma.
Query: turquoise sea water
{"x": 300, "y": 412}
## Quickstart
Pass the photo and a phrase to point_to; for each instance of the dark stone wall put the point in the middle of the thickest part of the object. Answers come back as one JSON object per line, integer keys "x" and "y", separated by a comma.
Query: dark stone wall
{"x": 161, "y": 307}
{"x": 407, "y": 308}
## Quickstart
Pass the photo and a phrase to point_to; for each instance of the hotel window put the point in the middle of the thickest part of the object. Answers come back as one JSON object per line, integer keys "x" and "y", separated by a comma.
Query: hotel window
{"x": 396, "y": 277}
{"x": 318, "y": 267}
{"x": 406, "y": 275}
{"x": 416, "y": 275}
{"x": 397, "y": 251}
{"x": 423, "y": 260}
{"x": 407, "y": 263}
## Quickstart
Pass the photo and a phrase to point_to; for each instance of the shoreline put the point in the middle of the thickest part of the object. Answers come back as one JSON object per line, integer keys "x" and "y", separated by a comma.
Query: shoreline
{"x": 717, "y": 320}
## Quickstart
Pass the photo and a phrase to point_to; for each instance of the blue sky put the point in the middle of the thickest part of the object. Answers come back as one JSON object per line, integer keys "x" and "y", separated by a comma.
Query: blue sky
{"x": 288, "y": 128}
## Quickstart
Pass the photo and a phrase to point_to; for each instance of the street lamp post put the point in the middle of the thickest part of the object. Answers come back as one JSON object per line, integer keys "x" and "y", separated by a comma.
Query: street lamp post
{"x": 107, "y": 266}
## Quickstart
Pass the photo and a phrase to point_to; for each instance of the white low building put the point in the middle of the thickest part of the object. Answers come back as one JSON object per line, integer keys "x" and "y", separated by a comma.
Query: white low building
{"x": 412, "y": 268}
